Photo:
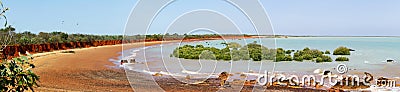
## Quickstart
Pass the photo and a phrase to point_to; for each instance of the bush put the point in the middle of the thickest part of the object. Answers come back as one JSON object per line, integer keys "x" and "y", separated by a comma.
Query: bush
{"x": 16, "y": 75}
{"x": 253, "y": 51}
{"x": 323, "y": 58}
{"x": 307, "y": 57}
{"x": 255, "y": 56}
{"x": 283, "y": 58}
{"x": 327, "y": 52}
{"x": 342, "y": 59}
{"x": 298, "y": 58}
{"x": 296, "y": 54}
{"x": 207, "y": 55}
{"x": 250, "y": 51}
{"x": 341, "y": 51}
{"x": 288, "y": 52}
{"x": 280, "y": 51}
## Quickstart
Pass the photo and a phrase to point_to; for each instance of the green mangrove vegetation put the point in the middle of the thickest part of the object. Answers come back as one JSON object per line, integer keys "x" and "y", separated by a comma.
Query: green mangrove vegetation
{"x": 341, "y": 51}
{"x": 323, "y": 58}
{"x": 342, "y": 59}
{"x": 327, "y": 52}
{"x": 252, "y": 51}
{"x": 232, "y": 51}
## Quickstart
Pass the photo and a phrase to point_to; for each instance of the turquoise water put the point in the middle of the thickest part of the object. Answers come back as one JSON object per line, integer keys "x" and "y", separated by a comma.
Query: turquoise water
{"x": 370, "y": 54}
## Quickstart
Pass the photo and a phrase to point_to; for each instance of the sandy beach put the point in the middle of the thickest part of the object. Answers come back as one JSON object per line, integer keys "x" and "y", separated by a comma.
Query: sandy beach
{"x": 88, "y": 69}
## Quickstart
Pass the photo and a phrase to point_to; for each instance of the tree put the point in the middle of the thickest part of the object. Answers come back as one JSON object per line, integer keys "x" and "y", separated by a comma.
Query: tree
{"x": 283, "y": 58}
{"x": 288, "y": 51}
{"x": 251, "y": 51}
{"x": 341, "y": 51}
{"x": 327, "y": 52}
{"x": 323, "y": 58}
{"x": 24, "y": 40}
{"x": 307, "y": 57}
{"x": 306, "y": 49}
{"x": 6, "y": 33}
{"x": 64, "y": 36}
{"x": 207, "y": 55}
{"x": 45, "y": 36}
{"x": 15, "y": 75}
{"x": 342, "y": 59}
{"x": 298, "y": 58}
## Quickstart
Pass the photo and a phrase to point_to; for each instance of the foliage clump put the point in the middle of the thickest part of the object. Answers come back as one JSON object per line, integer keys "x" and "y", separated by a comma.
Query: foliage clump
{"x": 232, "y": 51}
{"x": 323, "y": 58}
{"x": 341, "y": 51}
{"x": 307, "y": 54}
{"x": 342, "y": 59}
{"x": 17, "y": 76}
{"x": 327, "y": 52}
{"x": 27, "y": 38}
{"x": 251, "y": 51}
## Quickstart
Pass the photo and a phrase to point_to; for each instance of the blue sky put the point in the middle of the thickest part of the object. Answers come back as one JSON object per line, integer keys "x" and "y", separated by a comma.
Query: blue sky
{"x": 289, "y": 17}
{"x": 92, "y": 16}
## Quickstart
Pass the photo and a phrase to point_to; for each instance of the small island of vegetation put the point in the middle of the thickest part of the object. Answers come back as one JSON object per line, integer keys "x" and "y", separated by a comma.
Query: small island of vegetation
{"x": 341, "y": 51}
{"x": 342, "y": 59}
{"x": 253, "y": 51}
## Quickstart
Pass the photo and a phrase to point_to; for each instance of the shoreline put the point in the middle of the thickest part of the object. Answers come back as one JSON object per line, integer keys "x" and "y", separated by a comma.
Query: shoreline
{"x": 168, "y": 85}
{"x": 88, "y": 69}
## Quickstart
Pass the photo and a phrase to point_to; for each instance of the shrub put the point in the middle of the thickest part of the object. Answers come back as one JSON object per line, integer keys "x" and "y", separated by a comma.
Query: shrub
{"x": 306, "y": 49}
{"x": 298, "y": 58}
{"x": 307, "y": 57}
{"x": 341, "y": 51}
{"x": 283, "y": 57}
{"x": 342, "y": 59}
{"x": 288, "y": 51}
{"x": 252, "y": 51}
{"x": 288, "y": 58}
{"x": 256, "y": 56}
{"x": 16, "y": 75}
{"x": 309, "y": 54}
{"x": 323, "y": 58}
{"x": 268, "y": 54}
{"x": 280, "y": 51}
{"x": 208, "y": 55}
{"x": 296, "y": 54}
{"x": 327, "y": 52}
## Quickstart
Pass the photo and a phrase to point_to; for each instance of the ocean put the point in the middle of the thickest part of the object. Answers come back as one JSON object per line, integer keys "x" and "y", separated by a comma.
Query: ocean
{"x": 370, "y": 56}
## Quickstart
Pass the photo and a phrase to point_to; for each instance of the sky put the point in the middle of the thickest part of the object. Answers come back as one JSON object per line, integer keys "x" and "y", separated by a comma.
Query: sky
{"x": 288, "y": 17}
